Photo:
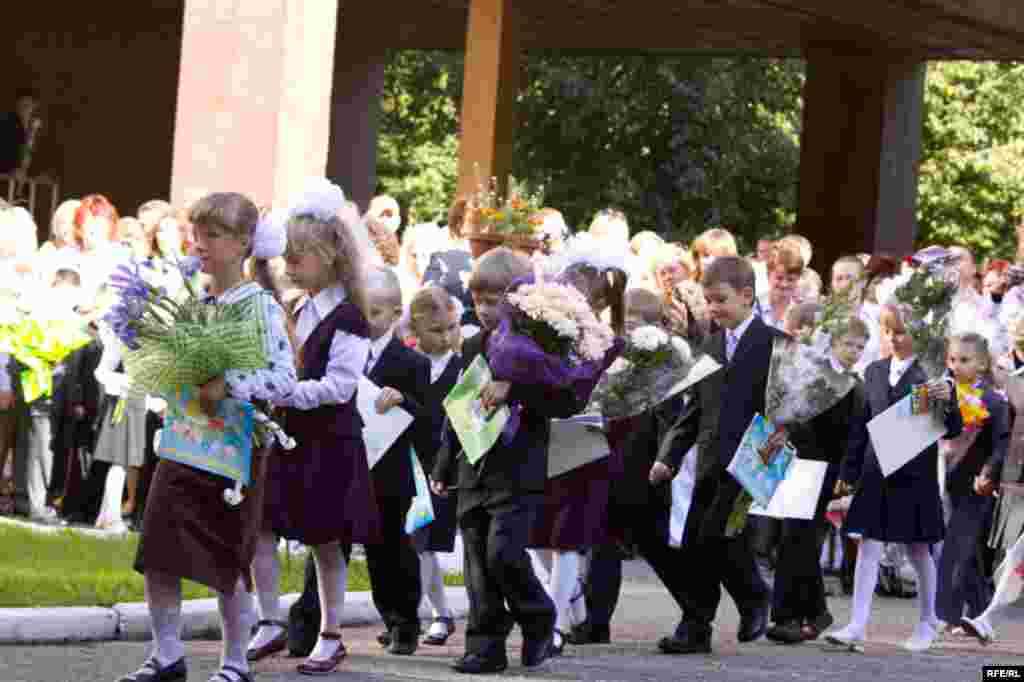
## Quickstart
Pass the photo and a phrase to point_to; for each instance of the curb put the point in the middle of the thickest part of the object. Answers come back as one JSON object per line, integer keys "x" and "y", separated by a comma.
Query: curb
{"x": 130, "y": 622}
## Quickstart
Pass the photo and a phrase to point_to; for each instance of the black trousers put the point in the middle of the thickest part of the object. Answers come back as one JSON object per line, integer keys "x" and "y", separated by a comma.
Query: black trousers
{"x": 394, "y": 568}
{"x": 498, "y": 572}
{"x": 961, "y": 568}
{"x": 721, "y": 562}
{"x": 604, "y": 584}
{"x": 799, "y": 591}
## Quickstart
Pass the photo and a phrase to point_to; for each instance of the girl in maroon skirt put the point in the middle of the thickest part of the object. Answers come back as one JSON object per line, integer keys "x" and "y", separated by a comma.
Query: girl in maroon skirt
{"x": 189, "y": 531}
{"x": 319, "y": 493}
{"x": 575, "y": 503}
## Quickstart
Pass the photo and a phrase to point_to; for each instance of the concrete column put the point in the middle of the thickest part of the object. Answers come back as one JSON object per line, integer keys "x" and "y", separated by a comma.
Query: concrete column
{"x": 859, "y": 154}
{"x": 355, "y": 102}
{"x": 253, "y": 97}
{"x": 489, "y": 89}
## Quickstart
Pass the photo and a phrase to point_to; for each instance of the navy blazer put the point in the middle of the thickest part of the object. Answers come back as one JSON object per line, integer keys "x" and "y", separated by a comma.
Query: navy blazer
{"x": 407, "y": 371}
{"x": 716, "y": 419}
{"x": 862, "y": 465}
{"x": 515, "y": 468}
{"x": 989, "y": 448}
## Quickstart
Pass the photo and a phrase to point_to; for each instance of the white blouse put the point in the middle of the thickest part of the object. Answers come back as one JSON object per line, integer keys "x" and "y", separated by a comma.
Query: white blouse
{"x": 346, "y": 358}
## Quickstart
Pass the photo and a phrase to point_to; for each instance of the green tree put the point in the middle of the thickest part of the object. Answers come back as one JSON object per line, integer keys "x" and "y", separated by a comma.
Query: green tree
{"x": 972, "y": 170}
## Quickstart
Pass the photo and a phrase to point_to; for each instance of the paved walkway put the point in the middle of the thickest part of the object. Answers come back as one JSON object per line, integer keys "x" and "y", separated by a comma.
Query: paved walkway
{"x": 646, "y": 613}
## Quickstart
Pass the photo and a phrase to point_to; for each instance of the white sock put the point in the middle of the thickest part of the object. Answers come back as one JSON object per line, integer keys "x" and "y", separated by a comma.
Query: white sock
{"x": 565, "y": 573}
{"x": 433, "y": 584}
{"x": 331, "y": 582}
{"x": 266, "y": 570}
{"x": 865, "y": 578}
{"x": 927, "y": 581}
{"x": 235, "y": 626}
{"x": 163, "y": 595}
{"x": 541, "y": 560}
{"x": 113, "y": 492}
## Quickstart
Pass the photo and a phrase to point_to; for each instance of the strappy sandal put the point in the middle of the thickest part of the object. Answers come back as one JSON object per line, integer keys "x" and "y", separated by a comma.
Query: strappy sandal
{"x": 152, "y": 671}
{"x": 275, "y": 645}
{"x": 236, "y": 675}
{"x": 325, "y": 666}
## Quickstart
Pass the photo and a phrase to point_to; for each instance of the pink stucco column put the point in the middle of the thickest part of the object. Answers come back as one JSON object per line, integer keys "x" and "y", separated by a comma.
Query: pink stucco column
{"x": 254, "y": 97}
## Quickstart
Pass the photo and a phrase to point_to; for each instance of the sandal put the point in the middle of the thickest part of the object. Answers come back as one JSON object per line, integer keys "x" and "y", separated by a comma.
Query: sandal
{"x": 325, "y": 666}
{"x": 273, "y": 646}
{"x": 235, "y": 676}
{"x": 151, "y": 671}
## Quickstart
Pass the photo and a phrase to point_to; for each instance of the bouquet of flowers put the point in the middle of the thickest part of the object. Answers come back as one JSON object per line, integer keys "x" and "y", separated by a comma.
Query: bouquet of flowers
{"x": 39, "y": 347}
{"x": 802, "y": 383}
{"x": 174, "y": 343}
{"x": 652, "y": 369}
{"x": 550, "y": 336}
{"x": 975, "y": 415}
{"x": 928, "y": 293}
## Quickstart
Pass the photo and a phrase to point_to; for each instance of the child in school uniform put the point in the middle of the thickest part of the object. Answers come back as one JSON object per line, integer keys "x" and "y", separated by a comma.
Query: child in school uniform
{"x": 434, "y": 321}
{"x": 637, "y": 512}
{"x": 715, "y": 421}
{"x": 319, "y": 493}
{"x": 962, "y": 582}
{"x": 799, "y": 609}
{"x": 404, "y": 377}
{"x": 188, "y": 530}
{"x": 572, "y": 520}
{"x": 500, "y": 496}
{"x": 904, "y": 507}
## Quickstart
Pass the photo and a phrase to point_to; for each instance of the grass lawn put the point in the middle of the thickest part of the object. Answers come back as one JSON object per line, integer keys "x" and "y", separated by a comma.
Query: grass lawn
{"x": 69, "y": 569}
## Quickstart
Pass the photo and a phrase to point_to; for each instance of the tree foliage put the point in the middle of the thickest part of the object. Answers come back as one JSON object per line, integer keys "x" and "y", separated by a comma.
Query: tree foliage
{"x": 972, "y": 170}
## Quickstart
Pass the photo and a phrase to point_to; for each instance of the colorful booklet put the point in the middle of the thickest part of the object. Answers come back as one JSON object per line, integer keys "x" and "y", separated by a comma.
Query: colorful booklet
{"x": 478, "y": 430}
{"x": 221, "y": 445}
{"x": 757, "y": 478}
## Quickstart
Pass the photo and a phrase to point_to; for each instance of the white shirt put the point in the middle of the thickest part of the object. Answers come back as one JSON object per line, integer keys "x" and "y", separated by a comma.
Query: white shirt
{"x": 377, "y": 347}
{"x": 733, "y": 338}
{"x": 438, "y": 363}
{"x": 346, "y": 357}
{"x": 898, "y": 368}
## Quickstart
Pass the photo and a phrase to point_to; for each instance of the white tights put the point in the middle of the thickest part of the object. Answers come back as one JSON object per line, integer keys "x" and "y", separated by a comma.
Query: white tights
{"x": 869, "y": 554}
{"x": 163, "y": 595}
{"x": 432, "y": 578}
{"x": 113, "y": 492}
{"x": 332, "y": 578}
{"x": 559, "y": 572}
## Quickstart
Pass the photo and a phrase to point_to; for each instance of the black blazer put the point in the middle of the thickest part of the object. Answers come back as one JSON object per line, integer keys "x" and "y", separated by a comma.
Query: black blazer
{"x": 435, "y": 417}
{"x": 445, "y": 270}
{"x": 407, "y": 371}
{"x": 518, "y": 467}
{"x": 716, "y": 419}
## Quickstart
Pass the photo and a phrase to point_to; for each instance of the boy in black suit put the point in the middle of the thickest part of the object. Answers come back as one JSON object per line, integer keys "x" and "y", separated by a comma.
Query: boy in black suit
{"x": 715, "y": 420}
{"x": 404, "y": 377}
{"x": 500, "y": 497}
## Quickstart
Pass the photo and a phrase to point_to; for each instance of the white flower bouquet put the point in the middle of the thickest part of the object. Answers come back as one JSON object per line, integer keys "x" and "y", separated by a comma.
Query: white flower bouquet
{"x": 652, "y": 369}
{"x": 802, "y": 383}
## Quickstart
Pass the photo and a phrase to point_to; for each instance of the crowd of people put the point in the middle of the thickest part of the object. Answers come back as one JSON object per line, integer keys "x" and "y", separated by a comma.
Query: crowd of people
{"x": 348, "y": 295}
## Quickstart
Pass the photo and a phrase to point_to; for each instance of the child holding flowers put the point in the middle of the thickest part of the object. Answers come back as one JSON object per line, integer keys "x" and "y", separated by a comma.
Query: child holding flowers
{"x": 501, "y": 496}
{"x": 188, "y": 530}
{"x": 904, "y": 507}
{"x": 319, "y": 494}
{"x": 984, "y": 440}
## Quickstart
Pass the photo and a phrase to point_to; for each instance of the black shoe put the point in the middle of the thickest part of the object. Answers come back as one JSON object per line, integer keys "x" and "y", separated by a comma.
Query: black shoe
{"x": 753, "y": 624}
{"x": 536, "y": 651}
{"x": 587, "y": 633}
{"x": 152, "y": 672}
{"x": 786, "y": 633}
{"x": 476, "y": 664}
{"x": 403, "y": 643}
{"x": 692, "y": 644}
